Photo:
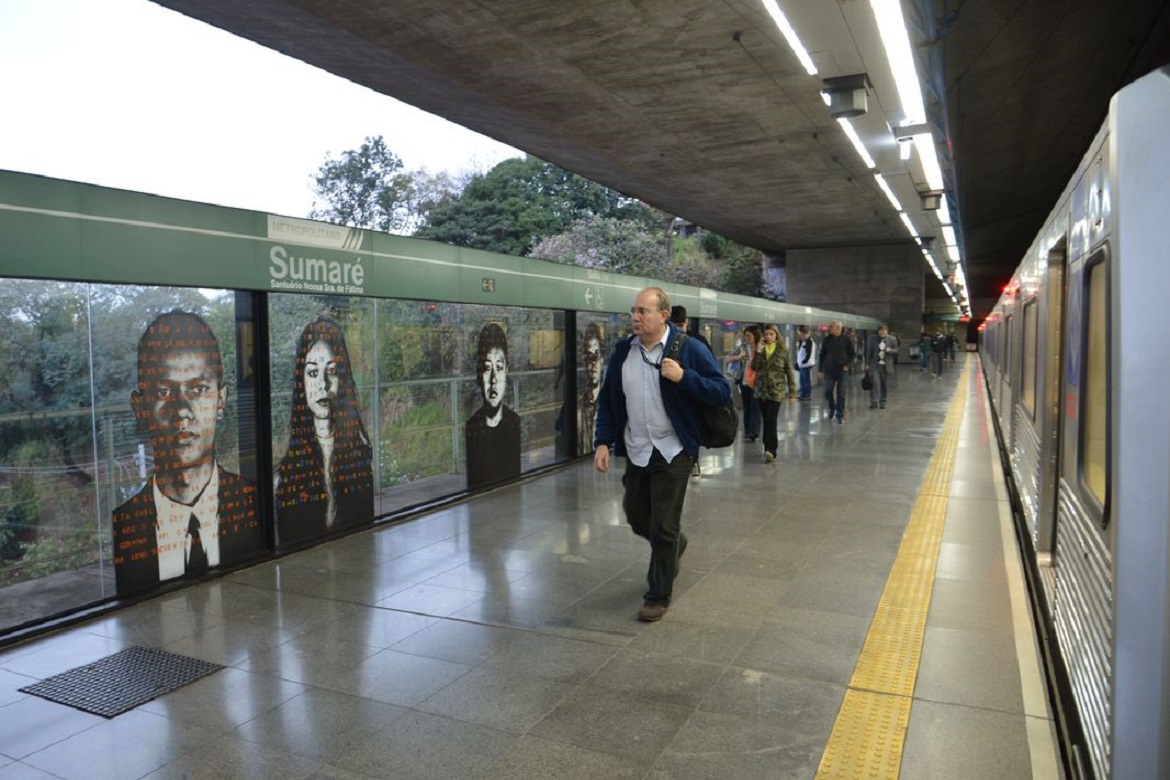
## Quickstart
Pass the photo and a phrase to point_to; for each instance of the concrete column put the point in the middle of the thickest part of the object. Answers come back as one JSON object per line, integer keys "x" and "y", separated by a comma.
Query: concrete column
{"x": 884, "y": 282}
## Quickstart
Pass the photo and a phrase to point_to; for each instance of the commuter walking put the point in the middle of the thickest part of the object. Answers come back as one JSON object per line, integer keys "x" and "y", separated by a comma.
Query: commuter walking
{"x": 680, "y": 320}
{"x": 833, "y": 366}
{"x": 879, "y": 354}
{"x": 806, "y": 361}
{"x": 775, "y": 381}
{"x": 747, "y": 382}
{"x": 938, "y": 348}
{"x": 647, "y": 412}
{"x": 925, "y": 345}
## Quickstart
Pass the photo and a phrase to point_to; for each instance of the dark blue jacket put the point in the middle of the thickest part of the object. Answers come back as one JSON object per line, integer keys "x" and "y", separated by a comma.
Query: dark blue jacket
{"x": 702, "y": 382}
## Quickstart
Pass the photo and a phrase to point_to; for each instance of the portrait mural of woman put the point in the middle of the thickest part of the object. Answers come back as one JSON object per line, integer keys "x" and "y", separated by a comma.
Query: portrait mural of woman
{"x": 592, "y": 356}
{"x": 326, "y": 480}
{"x": 492, "y": 434}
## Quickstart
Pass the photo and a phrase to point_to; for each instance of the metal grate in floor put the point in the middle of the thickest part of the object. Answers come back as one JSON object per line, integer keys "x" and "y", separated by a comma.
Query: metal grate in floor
{"x": 122, "y": 681}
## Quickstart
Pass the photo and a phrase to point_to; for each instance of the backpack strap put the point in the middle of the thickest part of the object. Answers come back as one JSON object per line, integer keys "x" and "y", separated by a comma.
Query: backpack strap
{"x": 676, "y": 346}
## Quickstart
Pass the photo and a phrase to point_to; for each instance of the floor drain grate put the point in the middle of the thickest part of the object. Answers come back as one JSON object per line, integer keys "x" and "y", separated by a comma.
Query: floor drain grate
{"x": 122, "y": 681}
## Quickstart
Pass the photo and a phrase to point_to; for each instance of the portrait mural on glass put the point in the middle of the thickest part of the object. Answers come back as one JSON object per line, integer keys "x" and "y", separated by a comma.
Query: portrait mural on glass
{"x": 592, "y": 359}
{"x": 492, "y": 433}
{"x": 192, "y": 514}
{"x": 326, "y": 479}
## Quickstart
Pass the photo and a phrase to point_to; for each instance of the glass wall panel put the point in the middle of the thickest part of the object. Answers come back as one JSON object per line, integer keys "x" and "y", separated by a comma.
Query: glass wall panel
{"x": 596, "y": 336}
{"x": 512, "y": 361}
{"x": 420, "y": 421}
{"x": 184, "y": 507}
{"x": 121, "y": 441}
{"x": 324, "y": 376}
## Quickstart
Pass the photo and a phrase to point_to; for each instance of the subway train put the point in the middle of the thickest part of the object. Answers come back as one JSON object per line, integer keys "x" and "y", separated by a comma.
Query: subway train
{"x": 1076, "y": 364}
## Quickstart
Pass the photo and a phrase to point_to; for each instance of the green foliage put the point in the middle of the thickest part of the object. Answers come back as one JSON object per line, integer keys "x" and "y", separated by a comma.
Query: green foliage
{"x": 416, "y": 440}
{"x": 364, "y": 188}
{"x": 519, "y": 202}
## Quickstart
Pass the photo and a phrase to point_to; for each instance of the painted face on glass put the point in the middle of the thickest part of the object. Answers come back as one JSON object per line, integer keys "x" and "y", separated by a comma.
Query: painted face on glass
{"x": 591, "y": 358}
{"x": 321, "y": 368}
{"x": 493, "y": 378}
{"x": 180, "y": 400}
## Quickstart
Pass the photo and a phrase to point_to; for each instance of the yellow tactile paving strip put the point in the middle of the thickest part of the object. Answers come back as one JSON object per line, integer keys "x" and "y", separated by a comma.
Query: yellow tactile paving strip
{"x": 867, "y": 738}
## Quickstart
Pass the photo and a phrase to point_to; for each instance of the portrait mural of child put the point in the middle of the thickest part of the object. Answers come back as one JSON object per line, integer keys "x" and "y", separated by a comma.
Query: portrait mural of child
{"x": 492, "y": 433}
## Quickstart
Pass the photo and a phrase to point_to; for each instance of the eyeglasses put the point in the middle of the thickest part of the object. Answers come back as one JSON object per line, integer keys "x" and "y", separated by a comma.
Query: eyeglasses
{"x": 643, "y": 311}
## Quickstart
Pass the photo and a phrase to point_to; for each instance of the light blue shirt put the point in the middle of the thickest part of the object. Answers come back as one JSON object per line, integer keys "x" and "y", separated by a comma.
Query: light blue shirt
{"x": 648, "y": 425}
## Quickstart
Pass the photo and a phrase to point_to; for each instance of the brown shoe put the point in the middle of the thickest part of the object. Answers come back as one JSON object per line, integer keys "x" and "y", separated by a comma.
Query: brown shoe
{"x": 652, "y": 610}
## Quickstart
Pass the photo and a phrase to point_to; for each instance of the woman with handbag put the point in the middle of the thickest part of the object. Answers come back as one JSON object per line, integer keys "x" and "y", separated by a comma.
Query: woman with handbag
{"x": 775, "y": 379}
{"x": 747, "y": 382}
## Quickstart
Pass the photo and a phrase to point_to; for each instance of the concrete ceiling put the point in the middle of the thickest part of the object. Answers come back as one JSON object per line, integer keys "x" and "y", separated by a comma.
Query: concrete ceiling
{"x": 699, "y": 107}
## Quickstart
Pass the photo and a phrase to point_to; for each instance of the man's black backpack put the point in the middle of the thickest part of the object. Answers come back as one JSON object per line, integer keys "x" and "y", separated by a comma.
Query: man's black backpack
{"x": 717, "y": 424}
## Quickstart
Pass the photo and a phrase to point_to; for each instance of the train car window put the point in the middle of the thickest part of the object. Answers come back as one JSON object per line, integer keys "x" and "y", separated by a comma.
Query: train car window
{"x": 1095, "y": 382}
{"x": 1008, "y": 362}
{"x": 1028, "y": 380}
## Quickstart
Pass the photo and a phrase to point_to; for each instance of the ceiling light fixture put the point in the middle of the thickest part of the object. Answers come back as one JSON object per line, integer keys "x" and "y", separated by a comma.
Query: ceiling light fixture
{"x": 892, "y": 29}
{"x": 909, "y": 225}
{"x": 847, "y": 95}
{"x": 931, "y": 199}
{"x": 790, "y": 35}
{"x": 885, "y": 188}
{"x": 857, "y": 144}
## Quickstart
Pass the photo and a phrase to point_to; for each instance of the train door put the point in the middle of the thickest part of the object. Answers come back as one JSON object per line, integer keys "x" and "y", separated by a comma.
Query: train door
{"x": 1050, "y": 393}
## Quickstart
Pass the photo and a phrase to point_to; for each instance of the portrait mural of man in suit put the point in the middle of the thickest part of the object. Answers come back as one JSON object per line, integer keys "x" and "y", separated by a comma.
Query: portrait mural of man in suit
{"x": 192, "y": 514}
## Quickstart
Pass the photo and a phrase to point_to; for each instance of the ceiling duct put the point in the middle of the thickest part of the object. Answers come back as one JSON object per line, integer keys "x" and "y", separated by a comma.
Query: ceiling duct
{"x": 847, "y": 95}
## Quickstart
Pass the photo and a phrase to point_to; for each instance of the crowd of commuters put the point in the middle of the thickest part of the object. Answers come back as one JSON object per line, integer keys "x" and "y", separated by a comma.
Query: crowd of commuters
{"x": 649, "y": 401}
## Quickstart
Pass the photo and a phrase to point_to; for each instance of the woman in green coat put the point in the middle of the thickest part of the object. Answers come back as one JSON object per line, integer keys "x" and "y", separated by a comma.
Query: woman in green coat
{"x": 775, "y": 380}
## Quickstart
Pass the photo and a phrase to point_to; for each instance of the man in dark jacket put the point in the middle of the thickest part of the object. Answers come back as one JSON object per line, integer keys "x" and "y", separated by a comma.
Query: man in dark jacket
{"x": 836, "y": 360}
{"x": 647, "y": 412}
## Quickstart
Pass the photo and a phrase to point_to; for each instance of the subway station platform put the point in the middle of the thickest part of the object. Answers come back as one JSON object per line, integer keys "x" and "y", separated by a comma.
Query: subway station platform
{"x": 855, "y": 609}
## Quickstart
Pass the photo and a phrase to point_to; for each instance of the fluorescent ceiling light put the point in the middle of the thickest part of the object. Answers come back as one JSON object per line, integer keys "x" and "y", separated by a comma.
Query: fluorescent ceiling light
{"x": 924, "y": 143}
{"x": 949, "y": 235}
{"x": 857, "y": 144}
{"x": 889, "y": 193}
{"x": 904, "y": 150}
{"x": 790, "y": 35}
{"x": 892, "y": 28}
{"x": 953, "y": 253}
{"x": 909, "y": 225}
{"x": 944, "y": 211}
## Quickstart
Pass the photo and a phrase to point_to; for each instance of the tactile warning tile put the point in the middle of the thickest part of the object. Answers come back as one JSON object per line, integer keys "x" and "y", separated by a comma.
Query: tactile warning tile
{"x": 122, "y": 681}
{"x": 870, "y": 746}
{"x": 867, "y": 738}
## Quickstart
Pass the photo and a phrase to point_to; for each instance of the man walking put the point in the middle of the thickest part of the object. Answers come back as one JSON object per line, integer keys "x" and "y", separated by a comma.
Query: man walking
{"x": 647, "y": 413}
{"x": 836, "y": 360}
{"x": 879, "y": 352}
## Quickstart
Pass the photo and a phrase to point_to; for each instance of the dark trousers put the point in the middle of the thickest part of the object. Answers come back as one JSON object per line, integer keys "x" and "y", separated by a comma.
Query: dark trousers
{"x": 771, "y": 413}
{"x": 877, "y": 391}
{"x": 653, "y": 503}
{"x": 939, "y": 357}
{"x": 751, "y": 412}
{"x": 835, "y": 392}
